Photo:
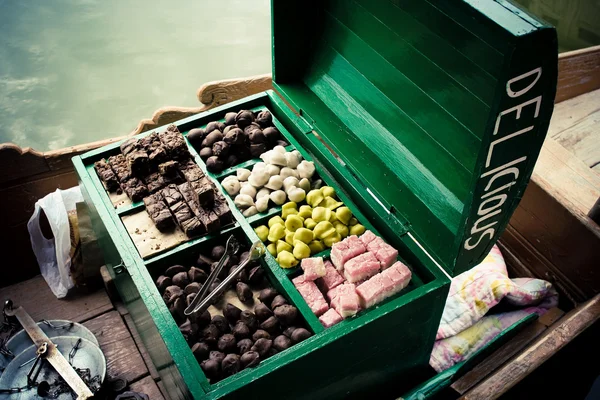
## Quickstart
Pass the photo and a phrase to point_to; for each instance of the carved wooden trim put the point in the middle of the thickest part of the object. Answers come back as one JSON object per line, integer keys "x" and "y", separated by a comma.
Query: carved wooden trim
{"x": 211, "y": 95}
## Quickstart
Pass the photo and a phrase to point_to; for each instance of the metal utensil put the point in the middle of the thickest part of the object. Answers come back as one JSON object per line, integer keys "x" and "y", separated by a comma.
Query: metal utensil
{"x": 231, "y": 247}
{"x": 256, "y": 251}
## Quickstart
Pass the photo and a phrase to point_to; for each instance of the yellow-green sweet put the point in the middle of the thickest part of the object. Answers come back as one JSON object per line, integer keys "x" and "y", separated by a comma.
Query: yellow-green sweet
{"x": 305, "y": 211}
{"x": 262, "y": 232}
{"x": 293, "y": 222}
{"x": 276, "y": 232}
{"x": 289, "y": 205}
{"x": 314, "y": 197}
{"x": 341, "y": 229}
{"x": 323, "y": 230}
{"x": 357, "y": 229}
{"x": 321, "y": 214}
{"x": 310, "y": 223}
{"x": 301, "y": 250}
{"x": 286, "y": 259}
{"x": 289, "y": 237}
{"x": 303, "y": 235}
{"x": 283, "y": 246}
{"x": 328, "y": 191}
{"x": 344, "y": 215}
{"x": 275, "y": 220}
{"x": 316, "y": 246}
{"x": 353, "y": 221}
{"x": 285, "y": 213}
{"x": 333, "y": 219}
{"x": 272, "y": 248}
{"x": 332, "y": 239}
{"x": 330, "y": 203}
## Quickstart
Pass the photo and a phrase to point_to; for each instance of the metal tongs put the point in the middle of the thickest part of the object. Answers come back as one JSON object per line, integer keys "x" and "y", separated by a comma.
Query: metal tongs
{"x": 204, "y": 299}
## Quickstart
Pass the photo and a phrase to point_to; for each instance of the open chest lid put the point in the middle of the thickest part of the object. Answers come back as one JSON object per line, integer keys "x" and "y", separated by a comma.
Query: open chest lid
{"x": 439, "y": 107}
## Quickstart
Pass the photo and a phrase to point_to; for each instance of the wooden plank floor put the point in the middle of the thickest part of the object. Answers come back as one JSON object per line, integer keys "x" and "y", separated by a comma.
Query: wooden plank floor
{"x": 576, "y": 126}
{"x": 115, "y": 332}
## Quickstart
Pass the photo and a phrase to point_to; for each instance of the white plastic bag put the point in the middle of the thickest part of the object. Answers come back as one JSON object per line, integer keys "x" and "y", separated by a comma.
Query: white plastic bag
{"x": 54, "y": 255}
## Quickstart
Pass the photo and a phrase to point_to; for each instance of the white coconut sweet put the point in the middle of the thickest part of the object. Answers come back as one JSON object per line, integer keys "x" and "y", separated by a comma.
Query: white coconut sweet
{"x": 279, "y": 149}
{"x": 306, "y": 169}
{"x": 242, "y": 174}
{"x": 296, "y": 194}
{"x": 278, "y": 159}
{"x": 272, "y": 169}
{"x": 250, "y": 211}
{"x": 304, "y": 184}
{"x": 231, "y": 186}
{"x": 287, "y": 172}
{"x": 258, "y": 179}
{"x": 290, "y": 182}
{"x": 249, "y": 190}
{"x": 243, "y": 201}
{"x": 275, "y": 182}
{"x": 262, "y": 204}
{"x": 292, "y": 159}
{"x": 278, "y": 197}
{"x": 264, "y": 192}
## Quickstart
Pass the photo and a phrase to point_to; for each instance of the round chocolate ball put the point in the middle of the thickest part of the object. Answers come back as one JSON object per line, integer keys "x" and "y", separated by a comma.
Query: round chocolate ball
{"x": 206, "y": 153}
{"x": 235, "y": 136}
{"x": 230, "y": 118}
{"x": 212, "y": 138}
{"x": 264, "y": 118}
{"x": 271, "y": 133}
{"x": 214, "y": 164}
{"x": 196, "y": 136}
{"x": 220, "y": 149}
{"x": 244, "y": 118}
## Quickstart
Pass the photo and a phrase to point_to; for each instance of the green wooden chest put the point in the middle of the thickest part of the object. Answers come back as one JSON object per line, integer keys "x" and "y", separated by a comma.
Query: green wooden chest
{"x": 427, "y": 117}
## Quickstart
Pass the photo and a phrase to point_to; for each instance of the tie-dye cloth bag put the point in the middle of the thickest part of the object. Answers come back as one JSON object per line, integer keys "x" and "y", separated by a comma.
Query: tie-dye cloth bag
{"x": 465, "y": 328}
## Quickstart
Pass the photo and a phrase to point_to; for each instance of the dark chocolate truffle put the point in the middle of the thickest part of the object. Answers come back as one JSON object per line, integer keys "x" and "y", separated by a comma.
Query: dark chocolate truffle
{"x": 221, "y": 323}
{"x": 214, "y": 164}
{"x": 192, "y": 288}
{"x": 181, "y": 279}
{"x": 267, "y": 295}
{"x": 249, "y": 319}
{"x": 264, "y": 118}
{"x": 197, "y": 275}
{"x": 173, "y": 270}
{"x": 227, "y": 343}
{"x": 202, "y": 320}
{"x": 241, "y": 330}
{"x": 262, "y": 346}
{"x": 196, "y": 136}
{"x": 230, "y": 364}
{"x": 230, "y": 118}
{"x": 270, "y": 325}
{"x": 257, "y": 136}
{"x": 201, "y": 351}
{"x": 256, "y": 275}
{"x": 211, "y": 368}
{"x": 210, "y": 334}
{"x": 206, "y": 153}
{"x": 211, "y": 126}
{"x": 257, "y": 149}
{"x": 232, "y": 313}
{"x": 212, "y": 138}
{"x": 244, "y": 118}
{"x": 220, "y": 149}
{"x": 171, "y": 293}
{"x": 244, "y": 293}
{"x": 299, "y": 335}
{"x": 260, "y": 334}
{"x": 271, "y": 133}
{"x": 279, "y": 300}
{"x": 217, "y": 252}
{"x": 163, "y": 282}
{"x": 282, "y": 342}
{"x": 286, "y": 314}
{"x": 235, "y": 136}
{"x": 250, "y": 359}
{"x": 244, "y": 346}
{"x": 262, "y": 312}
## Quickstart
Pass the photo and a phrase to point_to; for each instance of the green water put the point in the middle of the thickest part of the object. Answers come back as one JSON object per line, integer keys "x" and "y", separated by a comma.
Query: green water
{"x": 74, "y": 71}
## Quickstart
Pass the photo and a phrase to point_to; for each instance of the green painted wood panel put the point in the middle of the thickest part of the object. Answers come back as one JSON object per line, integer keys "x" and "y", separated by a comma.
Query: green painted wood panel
{"x": 418, "y": 125}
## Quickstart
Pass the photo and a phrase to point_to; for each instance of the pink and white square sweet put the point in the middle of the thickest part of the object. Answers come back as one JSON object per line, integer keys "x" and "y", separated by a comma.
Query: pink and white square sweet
{"x": 386, "y": 255}
{"x": 375, "y": 244}
{"x": 331, "y": 279}
{"x": 341, "y": 289}
{"x": 375, "y": 290}
{"x": 330, "y": 318}
{"x": 399, "y": 274}
{"x": 347, "y": 305}
{"x": 313, "y": 297}
{"x": 362, "y": 267}
{"x": 313, "y": 268}
{"x": 298, "y": 280}
{"x": 345, "y": 250}
{"x": 367, "y": 237}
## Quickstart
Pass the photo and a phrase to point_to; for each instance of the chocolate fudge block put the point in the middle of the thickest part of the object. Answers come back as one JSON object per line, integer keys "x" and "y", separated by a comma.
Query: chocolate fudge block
{"x": 106, "y": 175}
{"x": 189, "y": 195}
{"x": 135, "y": 189}
{"x": 129, "y": 145}
{"x": 159, "y": 212}
{"x": 171, "y": 195}
{"x": 138, "y": 162}
{"x": 156, "y": 156}
{"x": 120, "y": 167}
{"x": 221, "y": 208}
{"x": 205, "y": 191}
{"x": 181, "y": 212}
{"x": 149, "y": 142}
{"x": 168, "y": 168}
{"x": 192, "y": 227}
{"x": 209, "y": 219}
{"x": 155, "y": 182}
{"x": 174, "y": 143}
{"x": 191, "y": 171}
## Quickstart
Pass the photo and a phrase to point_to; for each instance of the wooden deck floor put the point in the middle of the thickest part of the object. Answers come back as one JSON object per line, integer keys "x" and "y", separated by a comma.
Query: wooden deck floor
{"x": 125, "y": 354}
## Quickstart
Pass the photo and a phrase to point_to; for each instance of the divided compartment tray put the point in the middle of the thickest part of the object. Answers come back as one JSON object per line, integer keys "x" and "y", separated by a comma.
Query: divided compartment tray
{"x": 427, "y": 288}
{"x": 188, "y": 258}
